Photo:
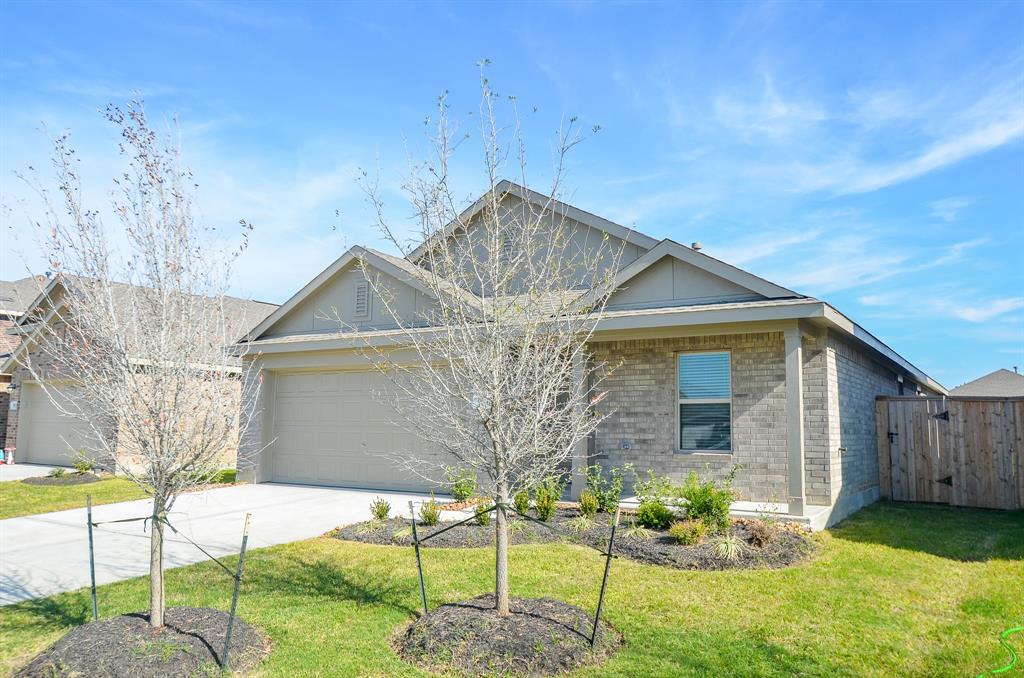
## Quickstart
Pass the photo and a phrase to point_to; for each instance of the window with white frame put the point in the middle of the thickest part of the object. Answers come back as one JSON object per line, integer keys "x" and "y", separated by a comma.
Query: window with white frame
{"x": 705, "y": 402}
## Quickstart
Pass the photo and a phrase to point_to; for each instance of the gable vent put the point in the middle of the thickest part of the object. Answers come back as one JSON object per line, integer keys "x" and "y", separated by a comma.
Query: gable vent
{"x": 362, "y": 305}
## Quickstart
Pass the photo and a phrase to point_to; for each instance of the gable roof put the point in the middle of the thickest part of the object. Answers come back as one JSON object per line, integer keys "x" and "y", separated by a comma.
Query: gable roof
{"x": 16, "y": 295}
{"x": 670, "y": 248}
{"x": 239, "y": 314}
{"x": 506, "y": 187}
{"x": 396, "y": 267}
{"x": 999, "y": 384}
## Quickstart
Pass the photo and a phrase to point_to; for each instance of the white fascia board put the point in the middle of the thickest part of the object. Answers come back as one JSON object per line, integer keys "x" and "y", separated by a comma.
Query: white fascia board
{"x": 673, "y": 318}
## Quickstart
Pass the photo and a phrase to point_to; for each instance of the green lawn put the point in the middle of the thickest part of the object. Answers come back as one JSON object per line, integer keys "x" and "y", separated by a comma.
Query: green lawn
{"x": 897, "y": 590}
{"x": 20, "y": 499}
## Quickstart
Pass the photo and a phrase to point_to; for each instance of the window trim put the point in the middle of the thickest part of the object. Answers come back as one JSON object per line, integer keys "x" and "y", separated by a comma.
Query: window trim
{"x": 703, "y": 401}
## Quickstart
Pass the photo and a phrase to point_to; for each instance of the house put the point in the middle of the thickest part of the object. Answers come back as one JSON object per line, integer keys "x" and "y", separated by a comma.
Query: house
{"x": 15, "y": 296}
{"x": 999, "y": 384}
{"x": 35, "y": 427}
{"x": 716, "y": 367}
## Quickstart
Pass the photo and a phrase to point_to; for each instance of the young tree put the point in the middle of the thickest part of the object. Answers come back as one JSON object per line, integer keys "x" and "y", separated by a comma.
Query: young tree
{"x": 139, "y": 323}
{"x": 500, "y": 379}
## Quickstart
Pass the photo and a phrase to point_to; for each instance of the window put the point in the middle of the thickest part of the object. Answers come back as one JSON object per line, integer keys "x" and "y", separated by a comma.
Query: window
{"x": 362, "y": 302}
{"x": 705, "y": 402}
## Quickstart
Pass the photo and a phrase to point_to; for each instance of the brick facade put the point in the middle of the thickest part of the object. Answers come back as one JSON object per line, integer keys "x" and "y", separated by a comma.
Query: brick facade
{"x": 840, "y": 383}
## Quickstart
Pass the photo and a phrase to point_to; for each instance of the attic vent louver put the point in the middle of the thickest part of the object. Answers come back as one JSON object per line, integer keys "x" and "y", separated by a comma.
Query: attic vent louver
{"x": 362, "y": 305}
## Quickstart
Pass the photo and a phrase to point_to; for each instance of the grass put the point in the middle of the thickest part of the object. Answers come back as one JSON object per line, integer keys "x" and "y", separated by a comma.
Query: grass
{"x": 20, "y": 499}
{"x": 898, "y": 589}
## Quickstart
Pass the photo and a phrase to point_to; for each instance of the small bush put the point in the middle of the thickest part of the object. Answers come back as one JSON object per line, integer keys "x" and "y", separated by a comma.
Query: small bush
{"x": 483, "y": 515}
{"x": 56, "y": 473}
{"x": 461, "y": 482}
{"x": 380, "y": 509}
{"x": 607, "y": 490}
{"x": 637, "y": 532}
{"x": 653, "y": 514}
{"x": 688, "y": 532}
{"x": 654, "y": 488}
{"x": 521, "y": 501}
{"x": 369, "y": 526}
{"x": 430, "y": 511}
{"x": 545, "y": 496}
{"x": 762, "y": 532}
{"x": 588, "y": 504}
{"x": 580, "y": 524}
{"x": 83, "y": 463}
{"x": 729, "y": 547}
{"x": 402, "y": 533}
{"x": 708, "y": 502}
{"x": 225, "y": 475}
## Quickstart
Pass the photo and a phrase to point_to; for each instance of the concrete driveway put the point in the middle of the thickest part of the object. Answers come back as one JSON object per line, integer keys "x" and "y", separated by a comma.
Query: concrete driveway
{"x": 22, "y": 471}
{"x": 46, "y": 554}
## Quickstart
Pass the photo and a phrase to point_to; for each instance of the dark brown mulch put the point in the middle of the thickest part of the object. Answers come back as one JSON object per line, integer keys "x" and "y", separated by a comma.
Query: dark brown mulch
{"x": 66, "y": 479}
{"x": 190, "y": 644}
{"x": 790, "y": 546}
{"x": 541, "y": 637}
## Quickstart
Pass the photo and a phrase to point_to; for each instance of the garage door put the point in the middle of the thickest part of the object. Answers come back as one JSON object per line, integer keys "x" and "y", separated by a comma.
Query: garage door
{"x": 45, "y": 436}
{"x": 330, "y": 430}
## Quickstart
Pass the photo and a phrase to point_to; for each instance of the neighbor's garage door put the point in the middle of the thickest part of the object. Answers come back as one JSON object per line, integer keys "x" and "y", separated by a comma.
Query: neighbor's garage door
{"x": 45, "y": 436}
{"x": 330, "y": 430}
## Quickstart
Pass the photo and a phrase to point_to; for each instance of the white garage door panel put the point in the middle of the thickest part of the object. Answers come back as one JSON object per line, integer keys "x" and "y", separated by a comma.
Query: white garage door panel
{"x": 45, "y": 435}
{"x": 329, "y": 429}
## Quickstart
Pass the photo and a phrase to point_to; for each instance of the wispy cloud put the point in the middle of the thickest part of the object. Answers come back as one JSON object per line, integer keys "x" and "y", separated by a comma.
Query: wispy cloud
{"x": 981, "y": 312}
{"x": 947, "y": 209}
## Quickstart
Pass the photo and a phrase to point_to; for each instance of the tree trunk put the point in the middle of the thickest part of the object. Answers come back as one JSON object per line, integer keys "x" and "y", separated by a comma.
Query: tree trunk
{"x": 501, "y": 552}
{"x": 156, "y": 568}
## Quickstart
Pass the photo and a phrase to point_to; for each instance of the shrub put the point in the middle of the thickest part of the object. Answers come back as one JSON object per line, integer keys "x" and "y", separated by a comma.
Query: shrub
{"x": 83, "y": 463}
{"x": 729, "y": 547}
{"x": 637, "y": 532}
{"x": 762, "y": 532}
{"x": 521, "y": 501}
{"x": 369, "y": 526}
{"x": 430, "y": 511}
{"x": 708, "y": 502}
{"x": 462, "y": 483}
{"x": 588, "y": 504}
{"x": 688, "y": 532}
{"x": 654, "y": 488}
{"x": 607, "y": 490}
{"x": 580, "y": 523}
{"x": 56, "y": 473}
{"x": 482, "y": 515}
{"x": 225, "y": 475}
{"x": 545, "y": 496}
{"x": 380, "y": 509}
{"x": 402, "y": 533}
{"x": 654, "y": 514}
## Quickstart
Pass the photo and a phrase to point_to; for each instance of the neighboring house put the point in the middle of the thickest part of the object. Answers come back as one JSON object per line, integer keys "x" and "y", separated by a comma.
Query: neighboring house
{"x": 716, "y": 367}
{"x": 35, "y": 426}
{"x": 15, "y": 296}
{"x": 999, "y": 384}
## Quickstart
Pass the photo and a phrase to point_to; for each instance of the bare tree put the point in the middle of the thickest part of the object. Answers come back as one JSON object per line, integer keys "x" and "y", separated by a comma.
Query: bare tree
{"x": 132, "y": 341}
{"x": 497, "y": 375}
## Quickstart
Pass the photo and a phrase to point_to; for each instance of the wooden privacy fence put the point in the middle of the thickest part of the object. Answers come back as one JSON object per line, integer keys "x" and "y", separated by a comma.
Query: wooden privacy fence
{"x": 959, "y": 451}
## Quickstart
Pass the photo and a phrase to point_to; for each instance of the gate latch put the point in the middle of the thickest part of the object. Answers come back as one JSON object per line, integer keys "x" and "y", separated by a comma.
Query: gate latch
{"x": 892, "y": 437}
{"x": 944, "y": 415}
{"x": 948, "y": 480}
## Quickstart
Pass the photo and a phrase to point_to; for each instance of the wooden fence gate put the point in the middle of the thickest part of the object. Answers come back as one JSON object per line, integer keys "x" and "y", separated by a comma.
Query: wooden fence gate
{"x": 959, "y": 451}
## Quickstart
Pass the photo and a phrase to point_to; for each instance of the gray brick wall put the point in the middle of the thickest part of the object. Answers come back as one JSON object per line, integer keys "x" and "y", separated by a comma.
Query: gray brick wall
{"x": 642, "y": 400}
{"x": 817, "y": 443}
{"x": 854, "y": 381}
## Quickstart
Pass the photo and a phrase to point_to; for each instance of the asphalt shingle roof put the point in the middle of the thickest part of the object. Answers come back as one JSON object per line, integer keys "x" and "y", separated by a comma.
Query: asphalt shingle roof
{"x": 999, "y": 384}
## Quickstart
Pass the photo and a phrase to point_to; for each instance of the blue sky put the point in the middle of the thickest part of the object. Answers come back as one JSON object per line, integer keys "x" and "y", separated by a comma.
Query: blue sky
{"x": 868, "y": 154}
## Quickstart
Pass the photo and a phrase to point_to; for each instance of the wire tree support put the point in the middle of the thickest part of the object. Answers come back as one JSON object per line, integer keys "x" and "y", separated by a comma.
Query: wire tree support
{"x": 236, "y": 574}
{"x": 608, "y": 554}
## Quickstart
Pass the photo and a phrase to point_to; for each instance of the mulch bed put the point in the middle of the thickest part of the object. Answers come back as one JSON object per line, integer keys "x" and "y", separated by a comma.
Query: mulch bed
{"x": 541, "y": 637}
{"x": 66, "y": 479}
{"x": 190, "y": 644}
{"x": 791, "y": 544}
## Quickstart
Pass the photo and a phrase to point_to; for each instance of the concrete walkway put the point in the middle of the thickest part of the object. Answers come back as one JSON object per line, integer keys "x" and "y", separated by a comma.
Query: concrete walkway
{"x": 46, "y": 554}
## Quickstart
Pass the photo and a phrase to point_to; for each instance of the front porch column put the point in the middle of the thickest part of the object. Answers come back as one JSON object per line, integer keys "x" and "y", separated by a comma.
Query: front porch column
{"x": 795, "y": 419}
{"x": 580, "y": 460}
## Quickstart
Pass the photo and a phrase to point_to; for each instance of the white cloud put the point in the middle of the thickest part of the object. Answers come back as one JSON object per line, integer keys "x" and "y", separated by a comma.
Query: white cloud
{"x": 947, "y": 209}
{"x": 981, "y": 312}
